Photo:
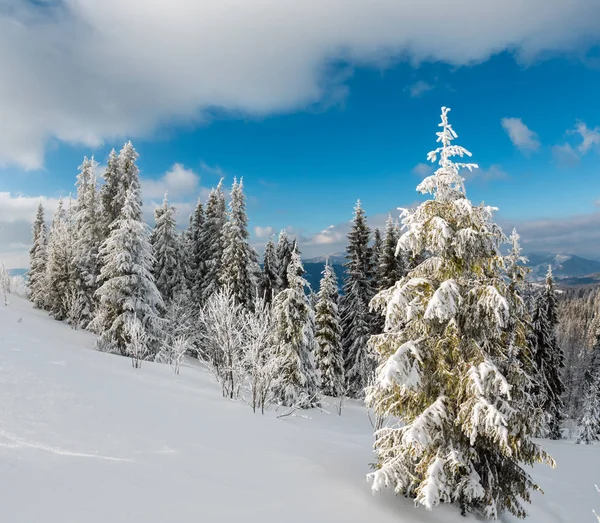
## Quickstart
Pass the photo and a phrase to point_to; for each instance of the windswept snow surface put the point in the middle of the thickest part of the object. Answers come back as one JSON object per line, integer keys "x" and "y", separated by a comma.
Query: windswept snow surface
{"x": 86, "y": 438}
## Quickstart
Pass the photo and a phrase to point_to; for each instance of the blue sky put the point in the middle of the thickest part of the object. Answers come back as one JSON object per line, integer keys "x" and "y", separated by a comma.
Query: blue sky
{"x": 355, "y": 126}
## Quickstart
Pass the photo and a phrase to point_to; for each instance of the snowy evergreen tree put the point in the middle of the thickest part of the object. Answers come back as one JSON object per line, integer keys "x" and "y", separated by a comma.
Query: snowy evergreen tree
{"x": 239, "y": 265}
{"x": 38, "y": 258}
{"x": 88, "y": 237}
{"x": 270, "y": 282}
{"x": 588, "y": 428}
{"x": 328, "y": 356}
{"x": 196, "y": 254}
{"x": 167, "y": 269}
{"x": 377, "y": 249}
{"x": 548, "y": 356}
{"x": 297, "y": 379}
{"x": 128, "y": 295}
{"x": 110, "y": 194}
{"x": 128, "y": 174}
{"x": 456, "y": 364}
{"x": 390, "y": 266}
{"x": 59, "y": 270}
{"x": 359, "y": 360}
{"x": 284, "y": 256}
{"x": 212, "y": 240}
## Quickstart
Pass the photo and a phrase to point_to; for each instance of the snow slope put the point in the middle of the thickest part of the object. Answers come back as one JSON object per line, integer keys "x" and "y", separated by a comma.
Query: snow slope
{"x": 86, "y": 438}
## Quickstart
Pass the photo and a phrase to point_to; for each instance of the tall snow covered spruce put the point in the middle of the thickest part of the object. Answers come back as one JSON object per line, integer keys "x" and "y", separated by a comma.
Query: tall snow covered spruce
{"x": 38, "y": 258}
{"x": 128, "y": 298}
{"x": 270, "y": 282}
{"x": 110, "y": 194}
{"x": 284, "y": 256}
{"x": 167, "y": 270}
{"x": 239, "y": 266}
{"x": 390, "y": 264}
{"x": 212, "y": 240}
{"x": 588, "y": 429}
{"x": 328, "y": 356}
{"x": 455, "y": 369}
{"x": 357, "y": 322}
{"x": 59, "y": 269}
{"x": 549, "y": 357}
{"x": 297, "y": 379}
{"x": 195, "y": 255}
{"x": 88, "y": 237}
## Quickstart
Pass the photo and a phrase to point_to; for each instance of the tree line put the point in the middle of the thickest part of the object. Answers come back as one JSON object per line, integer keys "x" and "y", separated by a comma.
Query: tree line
{"x": 437, "y": 328}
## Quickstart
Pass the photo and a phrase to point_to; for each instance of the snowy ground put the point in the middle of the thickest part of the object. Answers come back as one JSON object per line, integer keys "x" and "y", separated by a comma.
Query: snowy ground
{"x": 86, "y": 438}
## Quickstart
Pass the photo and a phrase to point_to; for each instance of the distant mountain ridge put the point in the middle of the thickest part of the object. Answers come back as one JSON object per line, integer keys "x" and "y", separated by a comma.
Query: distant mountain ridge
{"x": 568, "y": 269}
{"x": 564, "y": 266}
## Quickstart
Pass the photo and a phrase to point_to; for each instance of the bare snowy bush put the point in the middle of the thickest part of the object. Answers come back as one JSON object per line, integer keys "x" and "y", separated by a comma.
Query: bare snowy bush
{"x": 4, "y": 283}
{"x": 260, "y": 360}
{"x": 70, "y": 302}
{"x": 137, "y": 346}
{"x": 18, "y": 286}
{"x": 221, "y": 324}
{"x": 181, "y": 345}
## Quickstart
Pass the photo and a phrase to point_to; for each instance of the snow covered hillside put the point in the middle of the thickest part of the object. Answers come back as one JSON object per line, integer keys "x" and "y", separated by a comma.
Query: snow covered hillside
{"x": 86, "y": 438}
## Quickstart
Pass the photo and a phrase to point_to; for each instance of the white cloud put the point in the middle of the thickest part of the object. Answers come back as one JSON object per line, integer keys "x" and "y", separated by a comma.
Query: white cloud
{"x": 423, "y": 170}
{"x": 17, "y": 213}
{"x": 520, "y": 135}
{"x": 590, "y": 138}
{"x": 419, "y": 88}
{"x": 84, "y": 71}
{"x": 565, "y": 155}
{"x": 330, "y": 235}
{"x": 263, "y": 232}
{"x": 577, "y": 234}
{"x": 16, "y": 208}
{"x": 178, "y": 181}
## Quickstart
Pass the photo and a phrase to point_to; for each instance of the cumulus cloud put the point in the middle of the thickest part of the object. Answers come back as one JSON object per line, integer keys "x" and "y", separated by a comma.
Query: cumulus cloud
{"x": 330, "y": 235}
{"x": 84, "y": 71}
{"x": 17, "y": 213}
{"x": 520, "y": 135}
{"x": 177, "y": 181}
{"x": 590, "y": 138}
{"x": 263, "y": 232}
{"x": 577, "y": 234}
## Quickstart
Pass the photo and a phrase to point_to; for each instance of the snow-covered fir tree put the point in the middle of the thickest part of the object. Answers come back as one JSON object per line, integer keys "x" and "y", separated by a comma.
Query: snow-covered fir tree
{"x": 38, "y": 258}
{"x": 456, "y": 364}
{"x": 239, "y": 266}
{"x": 284, "y": 256}
{"x": 270, "y": 282}
{"x": 376, "y": 249}
{"x": 195, "y": 254}
{"x": 167, "y": 269}
{"x": 128, "y": 174}
{"x": 588, "y": 427}
{"x": 390, "y": 265}
{"x": 212, "y": 240}
{"x": 297, "y": 379}
{"x": 328, "y": 356}
{"x": 128, "y": 296}
{"x": 59, "y": 269}
{"x": 110, "y": 193}
{"x": 548, "y": 356}
{"x": 359, "y": 360}
{"x": 88, "y": 237}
